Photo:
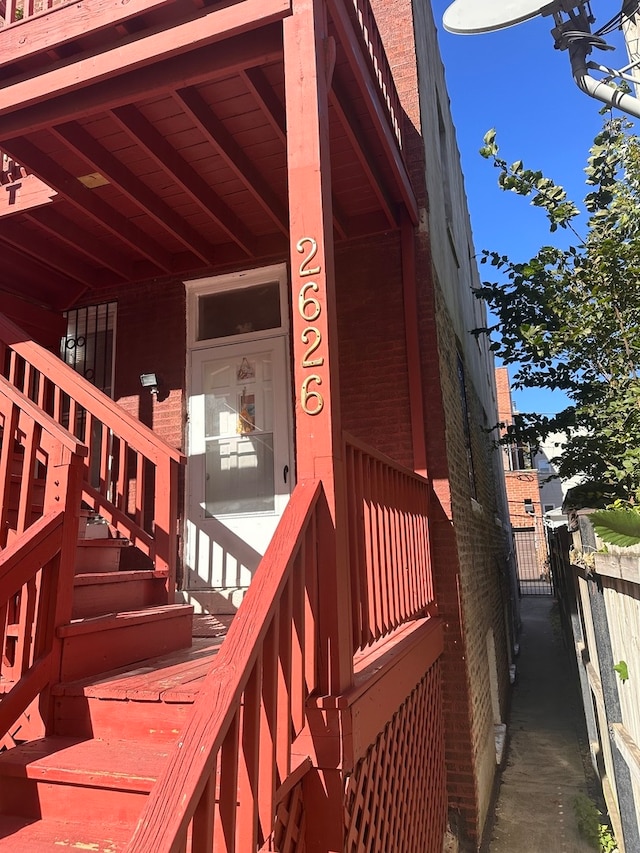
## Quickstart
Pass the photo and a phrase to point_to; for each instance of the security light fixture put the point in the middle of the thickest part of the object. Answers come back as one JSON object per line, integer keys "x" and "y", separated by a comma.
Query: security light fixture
{"x": 150, "y": 381}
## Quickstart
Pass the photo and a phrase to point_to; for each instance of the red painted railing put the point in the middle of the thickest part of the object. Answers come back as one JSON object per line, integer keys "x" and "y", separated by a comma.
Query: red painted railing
{"x": 10, "y": 171}
{"x": 130, "y": 474}
{"x": 40, "y": 477}
{"x": 391, "y": 580}
{"x": 365, "y": 21}
{"x": 233, "y": 761}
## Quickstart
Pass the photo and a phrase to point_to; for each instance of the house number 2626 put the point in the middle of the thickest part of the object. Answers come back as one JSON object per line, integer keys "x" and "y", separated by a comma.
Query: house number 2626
{"x": 310, "y": 309}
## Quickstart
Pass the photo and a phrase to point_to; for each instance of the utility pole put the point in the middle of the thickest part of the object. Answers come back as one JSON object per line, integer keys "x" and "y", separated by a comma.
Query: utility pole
{"x": 630, "y": 26}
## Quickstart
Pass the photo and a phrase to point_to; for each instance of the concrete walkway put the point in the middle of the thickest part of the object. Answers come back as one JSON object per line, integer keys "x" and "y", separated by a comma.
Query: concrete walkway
{"x": 544, "y": 769}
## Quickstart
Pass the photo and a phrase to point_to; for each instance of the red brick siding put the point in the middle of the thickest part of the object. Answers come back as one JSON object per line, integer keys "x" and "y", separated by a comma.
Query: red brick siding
{"x": 373, "y": 359}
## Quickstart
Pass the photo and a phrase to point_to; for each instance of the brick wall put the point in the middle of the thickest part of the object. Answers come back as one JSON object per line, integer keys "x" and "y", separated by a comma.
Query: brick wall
{"x": 373, "y": 359}
{"x": 470, "y": 555}
{"x": 150, "y": 337}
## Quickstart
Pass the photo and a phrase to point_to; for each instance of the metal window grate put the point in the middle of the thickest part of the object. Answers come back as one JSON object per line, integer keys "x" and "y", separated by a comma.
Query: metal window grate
{"x": 88, "y": 346}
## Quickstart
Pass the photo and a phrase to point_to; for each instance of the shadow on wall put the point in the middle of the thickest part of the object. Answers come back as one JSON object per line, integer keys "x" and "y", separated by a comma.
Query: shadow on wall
{"x": 218, "y": 566}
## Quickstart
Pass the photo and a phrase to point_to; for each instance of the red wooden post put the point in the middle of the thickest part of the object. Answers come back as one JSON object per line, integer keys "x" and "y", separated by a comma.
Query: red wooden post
{"x": 66, "y": 491}
{"x": 315, "y": 345}
{"x": 412, "y": 333}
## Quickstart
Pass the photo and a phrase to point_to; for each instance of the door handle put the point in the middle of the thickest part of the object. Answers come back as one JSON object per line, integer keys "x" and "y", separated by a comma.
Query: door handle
{"x": 285, "y": 472}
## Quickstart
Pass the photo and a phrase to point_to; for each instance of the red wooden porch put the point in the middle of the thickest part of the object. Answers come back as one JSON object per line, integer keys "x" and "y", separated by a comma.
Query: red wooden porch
{"x": 160, "y": 140}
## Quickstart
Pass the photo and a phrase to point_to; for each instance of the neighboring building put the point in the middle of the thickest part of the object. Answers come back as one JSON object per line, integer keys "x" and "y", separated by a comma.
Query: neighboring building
{"x": 268, "y": 400}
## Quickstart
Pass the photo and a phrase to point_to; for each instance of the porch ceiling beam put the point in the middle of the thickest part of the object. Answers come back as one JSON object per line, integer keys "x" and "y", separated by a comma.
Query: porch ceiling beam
{"x": 274, "y": 112}
{"x": 229, "y": 57}
{"x": 82, "y": 241}
{"x": 183, "y": 174}
{"x": 355, "y": 135}
{"x": 369, "y": 90}
{"x": 130, "y": 184}
{"x": 87, "y": 201}
{"x": 36, "y": 280}
{"x": 233, "y": 155}
{"x": 11, "y": 234}
{"x": 207, "y": 28}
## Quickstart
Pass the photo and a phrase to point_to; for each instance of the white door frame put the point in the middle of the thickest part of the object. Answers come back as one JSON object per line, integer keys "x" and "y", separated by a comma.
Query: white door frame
{"x": 209, "y": 599}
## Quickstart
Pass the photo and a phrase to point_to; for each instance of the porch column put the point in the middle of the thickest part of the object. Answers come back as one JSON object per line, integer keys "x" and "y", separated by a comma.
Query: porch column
{"x": 315, "y": 344}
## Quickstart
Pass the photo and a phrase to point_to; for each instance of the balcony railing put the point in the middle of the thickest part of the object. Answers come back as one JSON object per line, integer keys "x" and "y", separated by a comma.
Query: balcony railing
{"x": 362, "y": 14}
{"x": 15, "y": 11}
{"x": 10, "y": 171}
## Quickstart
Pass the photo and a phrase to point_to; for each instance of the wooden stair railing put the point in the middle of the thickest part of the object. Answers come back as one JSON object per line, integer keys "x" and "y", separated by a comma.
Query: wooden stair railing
{"x": 234, "y": 756}
{"x": 130, "y": 474}
{"x": 37, "y": 566}
{"x": 391, "y": 580}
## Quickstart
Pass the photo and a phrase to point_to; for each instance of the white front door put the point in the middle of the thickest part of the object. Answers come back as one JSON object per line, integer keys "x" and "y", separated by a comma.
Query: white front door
{"x": 239, "y": 467}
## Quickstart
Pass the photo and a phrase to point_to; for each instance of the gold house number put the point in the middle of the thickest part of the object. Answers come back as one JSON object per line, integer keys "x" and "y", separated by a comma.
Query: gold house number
{"x": 310, "y": 310}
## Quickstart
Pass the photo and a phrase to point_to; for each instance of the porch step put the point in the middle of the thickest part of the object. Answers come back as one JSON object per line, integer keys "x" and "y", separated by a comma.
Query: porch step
{"x": 99, "y": 555}
{"x": 62, "y": 778}
{"x": 150, "y": 702}
{"x": 99, "y": 593}
{"x": 28, "y": 835}
{"x": 102, "y": 643}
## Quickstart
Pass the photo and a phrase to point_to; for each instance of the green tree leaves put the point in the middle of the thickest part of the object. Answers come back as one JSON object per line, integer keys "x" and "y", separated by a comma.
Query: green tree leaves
{"x": 570, "y": 318}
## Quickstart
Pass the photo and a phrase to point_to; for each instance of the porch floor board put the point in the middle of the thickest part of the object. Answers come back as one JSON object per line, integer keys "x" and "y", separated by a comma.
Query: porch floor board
{"x": 173, "y": 677}
{"x": 51, "y": 836}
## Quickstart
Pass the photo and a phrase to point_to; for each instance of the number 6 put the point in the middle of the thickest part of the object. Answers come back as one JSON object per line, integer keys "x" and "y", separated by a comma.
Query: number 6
{"x": 307, "y": 395}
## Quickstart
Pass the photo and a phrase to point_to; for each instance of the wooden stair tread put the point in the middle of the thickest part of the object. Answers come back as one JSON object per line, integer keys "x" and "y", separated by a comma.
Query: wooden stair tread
{"x": 121, "y": 576}
{"x": 154, "y": 679}
{"x": 121, "y": 764}
{"x": 104, "y": 543}
{"x": 28, "y": 835}
{"x": 112, "y": 621}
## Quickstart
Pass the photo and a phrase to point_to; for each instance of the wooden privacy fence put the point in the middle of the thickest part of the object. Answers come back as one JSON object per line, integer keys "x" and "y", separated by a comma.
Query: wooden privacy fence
{"x": 130, "y": 474}
{"x": 600, "y": 603}
{"x": 40, "y": 476}
{"x": 391, "y": 579}
{"x": 234, "y": 760}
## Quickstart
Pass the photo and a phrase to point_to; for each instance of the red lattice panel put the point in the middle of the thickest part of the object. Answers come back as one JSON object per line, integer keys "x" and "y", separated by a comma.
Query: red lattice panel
{"x": 395, "y": 800}
{"x": 288, "y": 832}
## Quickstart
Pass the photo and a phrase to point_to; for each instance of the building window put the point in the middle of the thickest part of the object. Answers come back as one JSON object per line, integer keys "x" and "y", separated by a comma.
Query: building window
{"x": 466, "y": 426}
{"x": 88, "y": 346}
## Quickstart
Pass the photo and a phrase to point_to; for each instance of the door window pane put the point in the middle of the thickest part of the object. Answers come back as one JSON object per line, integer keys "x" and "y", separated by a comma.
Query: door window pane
{"x": 239, "y": 311}
{"x": 239, "y": 475}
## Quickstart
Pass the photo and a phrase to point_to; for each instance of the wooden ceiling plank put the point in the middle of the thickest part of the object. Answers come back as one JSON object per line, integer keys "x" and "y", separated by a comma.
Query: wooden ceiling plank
{"x": 369, "y": 89}
{"x": 274, "y": 112}
{"x": 267, "y": 100}
{"x": 127, "y": 182}
{"x": 86, "y": 200}
{"x": 207, "y": 28}
{"x": 198, "y": 66}
{"x": 185, "y": 175}
{"x": 81, "y": 241}
{"x": 356, "y": 136}
{"x": 234, "y": 156}
{"x": 11, "y": 233}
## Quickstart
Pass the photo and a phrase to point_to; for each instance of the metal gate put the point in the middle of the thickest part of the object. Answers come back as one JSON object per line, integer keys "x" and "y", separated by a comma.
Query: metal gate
{"x": 532, "y": 560}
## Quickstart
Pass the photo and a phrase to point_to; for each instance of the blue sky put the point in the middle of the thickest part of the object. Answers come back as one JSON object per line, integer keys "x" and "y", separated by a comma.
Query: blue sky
{"x": 514, "y": 80}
